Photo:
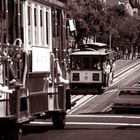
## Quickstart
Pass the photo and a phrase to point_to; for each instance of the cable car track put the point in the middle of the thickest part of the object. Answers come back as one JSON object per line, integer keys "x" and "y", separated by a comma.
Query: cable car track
{"x": 81, "y": 100}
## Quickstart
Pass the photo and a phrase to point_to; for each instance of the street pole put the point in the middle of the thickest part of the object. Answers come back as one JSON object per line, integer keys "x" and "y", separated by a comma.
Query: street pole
{"x": 110, "y": 37}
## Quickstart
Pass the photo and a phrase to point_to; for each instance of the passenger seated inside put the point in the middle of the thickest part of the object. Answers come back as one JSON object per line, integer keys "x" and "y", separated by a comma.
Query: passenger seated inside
{"x": 96, "y": 66}
{"x": 77, "y": 65}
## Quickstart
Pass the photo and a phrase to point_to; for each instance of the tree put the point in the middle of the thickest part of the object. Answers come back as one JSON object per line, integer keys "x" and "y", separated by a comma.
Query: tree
{"x": 89, "y": 16}
{"x": 124, "y": 24}
{"x": 95, "y": 19}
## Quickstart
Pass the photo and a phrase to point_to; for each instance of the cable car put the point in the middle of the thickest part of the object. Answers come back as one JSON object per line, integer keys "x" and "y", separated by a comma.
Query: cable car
{"x": 89, "y": 73}
{"x": 33, "y": 80}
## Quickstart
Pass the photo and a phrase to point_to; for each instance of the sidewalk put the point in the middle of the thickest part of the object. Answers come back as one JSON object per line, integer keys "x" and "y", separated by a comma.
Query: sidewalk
{"x": 122, "y": 64}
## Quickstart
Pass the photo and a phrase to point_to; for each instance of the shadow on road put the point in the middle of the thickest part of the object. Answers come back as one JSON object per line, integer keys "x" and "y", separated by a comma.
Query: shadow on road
{"x": 28, "y": 129}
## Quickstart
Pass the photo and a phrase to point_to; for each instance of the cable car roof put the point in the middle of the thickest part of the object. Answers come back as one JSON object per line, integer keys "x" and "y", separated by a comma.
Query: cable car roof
{"x": 96, "y": 44}
{"x": 91, "y": 52}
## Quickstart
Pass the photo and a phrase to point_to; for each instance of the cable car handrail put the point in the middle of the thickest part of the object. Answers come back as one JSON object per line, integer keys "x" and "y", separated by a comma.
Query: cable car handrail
{"x": 20, "y": 42}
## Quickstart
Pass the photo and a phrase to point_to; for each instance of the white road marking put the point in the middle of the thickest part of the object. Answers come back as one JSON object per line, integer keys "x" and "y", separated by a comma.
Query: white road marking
{"x": 94, "y": 123}
{"x": 88, "y": 123}
{"x": 106, "y": 116}
{"x": 81, "y": 102}
{"x": 98, "y": 123}
{"x": 76, "y": 98}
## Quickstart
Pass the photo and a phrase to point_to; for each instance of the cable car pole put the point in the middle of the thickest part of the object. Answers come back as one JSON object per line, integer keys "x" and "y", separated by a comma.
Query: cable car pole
{"x": 7, "y": 22}
{"x": 18, "y": 18}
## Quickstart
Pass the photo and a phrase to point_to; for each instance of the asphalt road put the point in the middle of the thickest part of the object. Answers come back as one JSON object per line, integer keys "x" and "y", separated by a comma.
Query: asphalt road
{"x": 87, "y": 125}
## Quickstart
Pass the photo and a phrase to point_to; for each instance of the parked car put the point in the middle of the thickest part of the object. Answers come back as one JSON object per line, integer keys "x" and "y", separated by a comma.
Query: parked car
{"x": 127, "y": 100}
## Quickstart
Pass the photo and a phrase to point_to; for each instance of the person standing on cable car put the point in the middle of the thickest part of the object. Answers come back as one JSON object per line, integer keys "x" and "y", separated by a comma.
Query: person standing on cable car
{"x": 112, "y": 68}
{"x": 107, "y": 69}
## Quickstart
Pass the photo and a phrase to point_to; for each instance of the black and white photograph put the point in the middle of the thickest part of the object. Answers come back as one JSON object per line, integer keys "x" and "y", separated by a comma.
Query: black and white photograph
{"x": 69, "y": 69}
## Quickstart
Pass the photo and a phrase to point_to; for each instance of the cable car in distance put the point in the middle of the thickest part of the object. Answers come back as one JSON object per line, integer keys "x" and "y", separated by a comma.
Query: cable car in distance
{"x": 88, "y": 69}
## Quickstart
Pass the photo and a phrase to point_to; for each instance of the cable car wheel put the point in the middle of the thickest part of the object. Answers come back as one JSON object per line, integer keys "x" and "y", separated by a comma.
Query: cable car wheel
{"x": 11, "y": 132}
{"x": 58, "y": 119}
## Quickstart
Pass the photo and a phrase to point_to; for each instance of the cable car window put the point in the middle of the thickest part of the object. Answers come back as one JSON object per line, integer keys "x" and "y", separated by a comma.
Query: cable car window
{"x": 42, "y": 27}
{"x": 75, "y": 63}
{"x": 0, "y": 6}
{"x": 47, "y": 23}
{"x": 95, "y": 63}
{"x": 3, "y": 8}
{"x": 29, "y": 15}
{"x": 36, "y": 26}
{"x": 41, "y": 18}
{"x": 85, "y": 63}
{"x": 35, "y": 17}
{"x": 103, "y": 58}
{"x": 29, "y": 25}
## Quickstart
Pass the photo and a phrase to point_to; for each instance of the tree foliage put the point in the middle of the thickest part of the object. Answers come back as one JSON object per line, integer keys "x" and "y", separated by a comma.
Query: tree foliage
{"x": 125, "y": 25}
{"x": 95, "y": 19}
{"x": 89, "y": 17}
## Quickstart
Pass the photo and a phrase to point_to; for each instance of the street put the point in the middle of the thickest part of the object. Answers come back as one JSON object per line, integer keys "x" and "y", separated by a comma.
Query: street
{"x": 94, "y": 120}
{"x": 62, "y": 65}
{"x": 88, "y": 127}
